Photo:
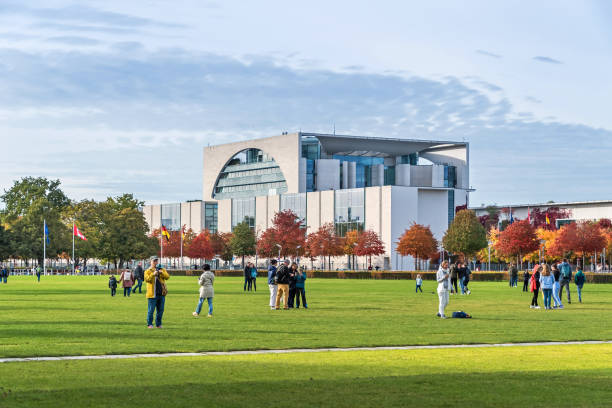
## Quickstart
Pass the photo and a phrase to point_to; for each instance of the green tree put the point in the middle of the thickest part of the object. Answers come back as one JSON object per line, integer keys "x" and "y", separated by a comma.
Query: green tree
{"x": 86, "y": 215}
{"x": 6, "y": 243}
{"x": 28, "y": 203}
{"x": 243, "y": 241}
{"x": 466, "y": 235}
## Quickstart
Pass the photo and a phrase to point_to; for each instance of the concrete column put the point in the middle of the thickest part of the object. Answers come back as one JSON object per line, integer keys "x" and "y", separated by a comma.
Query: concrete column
{"x": 345, "y": 174}
{"x": 378, "y": 175}
{"x": 402, "y": 175}
{"x": 352, "y": 175}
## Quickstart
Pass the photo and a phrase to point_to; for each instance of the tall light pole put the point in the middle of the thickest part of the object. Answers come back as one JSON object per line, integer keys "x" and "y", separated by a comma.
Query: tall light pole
{"x": 489, "y": 248}
{"x": 279, "y": 251}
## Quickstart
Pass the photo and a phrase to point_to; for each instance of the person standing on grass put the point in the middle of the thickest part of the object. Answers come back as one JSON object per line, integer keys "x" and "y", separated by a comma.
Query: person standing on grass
{"x": 38, "y": 272}
{"x": 139, "y": 277}
{"x": 526, "y": 281}
{"x": 272, "y": 283}
{"x": 535, "y": 286}
{"x": 4, "y": 273}
{"x": 300, "y": 289}
{"x": 513, "y": 272}
{"x": 443, "y": 278}
{"x": 247, "y": 277}
{"x": 579, "y": 280}
{"x": 282, "y": 280}
{"x": 547, "y": 282}
{"x": 128, "y": 280}
{"x": 156, "y": 278}
{"x": 112, "y": 284}
{"x": 293, "y": 272}
{"x": 556, "y": 273}
{"x": 454, "y": 272}
{"x": 206, "y": 291}
{"x": 253, "y": 277}
{"x": 566, "y": 278}
{"x": 466, "y": 279}
{"x": 419, "y": 283}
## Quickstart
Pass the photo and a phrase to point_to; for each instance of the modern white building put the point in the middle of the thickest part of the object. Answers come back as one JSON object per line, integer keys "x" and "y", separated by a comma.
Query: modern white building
{"x": 354, "y": 182}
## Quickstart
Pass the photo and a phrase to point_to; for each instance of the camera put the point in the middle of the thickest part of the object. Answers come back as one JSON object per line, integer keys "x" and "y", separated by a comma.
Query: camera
{"x": 158, "y": 267}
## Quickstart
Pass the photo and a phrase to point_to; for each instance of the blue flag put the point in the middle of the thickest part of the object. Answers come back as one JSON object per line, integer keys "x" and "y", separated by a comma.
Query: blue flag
{"x": 511, "y": 218}
{"x": 46, "y": 233}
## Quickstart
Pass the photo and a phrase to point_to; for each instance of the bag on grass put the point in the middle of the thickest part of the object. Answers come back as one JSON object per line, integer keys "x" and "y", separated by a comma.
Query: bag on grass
{"x": 461, "y": 315}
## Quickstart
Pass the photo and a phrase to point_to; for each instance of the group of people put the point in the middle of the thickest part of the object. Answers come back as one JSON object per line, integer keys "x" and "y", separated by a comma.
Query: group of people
{"x": 130, "y": 280}
{"x": 250, "y": 277}
{"x": 286, "y": 282}
{"x": 551, "y": 279}
{"x": 459, "y": 272}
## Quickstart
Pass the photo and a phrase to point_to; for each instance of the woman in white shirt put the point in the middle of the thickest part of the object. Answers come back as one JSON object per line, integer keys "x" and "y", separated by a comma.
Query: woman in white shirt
{"x": 443, "y": 278}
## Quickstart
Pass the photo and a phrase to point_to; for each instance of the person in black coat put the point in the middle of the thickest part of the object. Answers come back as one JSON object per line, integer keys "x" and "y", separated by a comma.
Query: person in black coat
{"x": 247, "y": 277}
{"x": 293, "y": 273}
{"x": 282, "y": 280}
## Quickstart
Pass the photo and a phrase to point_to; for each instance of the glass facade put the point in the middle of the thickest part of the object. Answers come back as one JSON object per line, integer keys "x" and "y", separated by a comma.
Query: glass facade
{"x": 295, "y": 203}
{"x": 451, "y": 206}
{"x": 349, "y": 211}
{"x": 389, "y": 175}
{"x": 250, "y": 173}
{"x": 311, "y": 151}
{"x": 363, "y": 172}
{"x": 210, "y": 217}
{"x": 450, "y": 176}
{"x": 243, "y": 210}
{"x": 171, "y": 216}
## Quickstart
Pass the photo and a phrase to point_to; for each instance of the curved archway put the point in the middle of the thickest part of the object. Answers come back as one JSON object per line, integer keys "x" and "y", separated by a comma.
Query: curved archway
{"x": 248, "y": 173}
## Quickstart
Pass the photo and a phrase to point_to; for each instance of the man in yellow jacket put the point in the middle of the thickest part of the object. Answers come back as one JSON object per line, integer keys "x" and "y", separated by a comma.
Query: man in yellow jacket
{"x": 156, "y": 277}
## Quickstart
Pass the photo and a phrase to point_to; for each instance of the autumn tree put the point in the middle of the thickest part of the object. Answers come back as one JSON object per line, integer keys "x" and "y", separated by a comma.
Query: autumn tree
{"x": 325, "y": 243}
{"x": 581, "y": 237}
{"x": 465, "y": 236}
{"x": 287, "y": 233}
{"x": 417, "y": 241}
{"x": 369, "y": 244}
{"x": 538, "y": 217}
{"x": 243, "y": 241}
{"x": 349, "y": 244}
{"x": 201, "y": 247}
{"x": 518, "y": 239}
{"x": 221, "y": 245}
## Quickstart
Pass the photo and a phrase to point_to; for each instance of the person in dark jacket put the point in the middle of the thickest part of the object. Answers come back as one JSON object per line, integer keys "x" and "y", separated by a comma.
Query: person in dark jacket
{"x": 535, "y": 286}
{"x": 282, "y": 280}
{"x": 272, "y": 283}
{"x": 138, "y": 277}
{"x": 454, "y": 273}
{"x": 300, "y": 290}
{"x": 293, "y": 273}
{"x": 112, "y": 284}
{"x": 467, "y": 273}
{"x": 513, "y": 272}
{"x": 579, "y": 280}
{"x": 556, "y": 286}
{"x": 247, "y": 277}
{"x": 526, "y": 281}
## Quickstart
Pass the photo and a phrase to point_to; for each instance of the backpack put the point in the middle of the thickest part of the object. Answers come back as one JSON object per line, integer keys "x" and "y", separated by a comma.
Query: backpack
{"x": 461, "y": 315}
{"x": 253, "y": 273}
{"x": 566, "y": 271}
{"x": 127, "y": 276}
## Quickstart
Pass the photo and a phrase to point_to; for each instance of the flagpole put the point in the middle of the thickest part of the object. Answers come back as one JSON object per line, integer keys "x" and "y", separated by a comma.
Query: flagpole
{"x": 73, "y": 259}
{"x": 181, "y": 248}
{"x": 161, "y": 243}
{"x": 45, "y": 247}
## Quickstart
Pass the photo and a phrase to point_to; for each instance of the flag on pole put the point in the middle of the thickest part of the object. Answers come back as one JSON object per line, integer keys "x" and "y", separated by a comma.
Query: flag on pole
{"x": 77, "y": 233}
{"x": 547, "y": 219}
{"x": 528, "y": 215}
{"x": 511, "y": 217}
{"x": 46, "y": 232}
{"x": 165, "y": 233}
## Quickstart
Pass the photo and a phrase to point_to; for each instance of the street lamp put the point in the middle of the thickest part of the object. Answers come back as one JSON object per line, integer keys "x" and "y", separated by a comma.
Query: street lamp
{"x": 279, "y": 251}
{"x": 489, "y": 248}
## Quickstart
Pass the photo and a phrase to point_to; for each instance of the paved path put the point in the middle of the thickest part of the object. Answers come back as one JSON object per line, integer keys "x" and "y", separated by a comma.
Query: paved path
{"x": 287, "y": 351}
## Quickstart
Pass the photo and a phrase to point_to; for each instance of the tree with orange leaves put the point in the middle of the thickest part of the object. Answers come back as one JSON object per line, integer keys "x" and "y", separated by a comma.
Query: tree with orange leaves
{"x": 517, "y": 239}
{"x": 417, "y": 241}
{"x": 325, "y": 243}
{"x": 201, "y": 247}
{"x": 349, "y": 243}
{"x": 287, "y": 233}
{"x": 369, "y": 244}
{"x": 583, "y": 238}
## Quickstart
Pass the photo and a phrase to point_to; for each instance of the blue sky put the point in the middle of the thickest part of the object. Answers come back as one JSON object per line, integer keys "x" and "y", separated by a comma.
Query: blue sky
{"x": 114, "y": 96}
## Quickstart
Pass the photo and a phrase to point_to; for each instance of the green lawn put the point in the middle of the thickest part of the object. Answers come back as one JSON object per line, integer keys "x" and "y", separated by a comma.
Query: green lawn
{"x": 65, "y": 315}
{"x": 560, "y": 376}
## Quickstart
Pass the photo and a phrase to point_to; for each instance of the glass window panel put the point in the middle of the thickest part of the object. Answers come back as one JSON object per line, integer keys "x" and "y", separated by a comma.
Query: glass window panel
{"x": 171, "y": 216}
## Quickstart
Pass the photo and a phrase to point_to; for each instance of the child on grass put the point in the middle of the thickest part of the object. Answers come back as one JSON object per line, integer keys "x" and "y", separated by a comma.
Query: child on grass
{"x": 419, "y": 284}
{"x": 112, "y": 284}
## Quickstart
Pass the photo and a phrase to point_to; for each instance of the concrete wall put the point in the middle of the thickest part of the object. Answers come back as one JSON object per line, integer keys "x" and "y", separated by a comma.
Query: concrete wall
{"x": 433, "y": 210}
{"x": 224, "y": 216}
{"x": 261, "y": 213}
{"x": 313, "y": 211}
{"x": 328, "y": 174}
{"x": 458, "y": 156}
{"x": 147, "y": 212}
{"x": 327, "y": 206}
{"x": 284, "y": 149}
{"x": 404, "y": 211}
{"x": 420, "y": 175}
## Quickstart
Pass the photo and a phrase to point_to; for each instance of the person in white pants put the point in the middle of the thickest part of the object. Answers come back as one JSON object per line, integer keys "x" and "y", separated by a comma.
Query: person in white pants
{"x": 272, "y": 283}
{"x": 444, "y": 285}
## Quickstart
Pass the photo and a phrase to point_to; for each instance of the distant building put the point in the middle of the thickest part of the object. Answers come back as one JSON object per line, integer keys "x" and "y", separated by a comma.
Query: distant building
{"x": 355, "y": 182}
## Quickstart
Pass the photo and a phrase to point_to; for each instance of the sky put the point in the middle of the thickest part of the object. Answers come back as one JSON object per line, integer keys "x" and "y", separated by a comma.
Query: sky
{"x": 116, "y": 97}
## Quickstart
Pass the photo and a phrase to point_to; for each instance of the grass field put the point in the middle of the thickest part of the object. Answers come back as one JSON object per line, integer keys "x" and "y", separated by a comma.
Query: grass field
{"x": 76, "y": 315}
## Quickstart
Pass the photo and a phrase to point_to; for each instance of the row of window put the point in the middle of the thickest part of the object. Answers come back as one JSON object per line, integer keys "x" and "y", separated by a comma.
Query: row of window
{"x": 251, "y": 187}
{"x": 255, "y": 172}
{"x": 171, "y": 216}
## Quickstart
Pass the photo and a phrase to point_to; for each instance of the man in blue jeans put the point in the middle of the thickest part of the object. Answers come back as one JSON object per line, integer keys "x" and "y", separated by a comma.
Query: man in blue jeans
{"x": 139, "y": 276}
{"x": 156, "y": 277}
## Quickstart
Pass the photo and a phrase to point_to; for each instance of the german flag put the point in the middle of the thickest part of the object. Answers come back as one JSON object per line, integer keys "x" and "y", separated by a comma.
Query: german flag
{"x": 165, "y": 233}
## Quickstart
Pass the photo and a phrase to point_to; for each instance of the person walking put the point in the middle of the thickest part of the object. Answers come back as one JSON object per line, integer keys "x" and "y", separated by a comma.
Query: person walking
{"x": 293, "y": 272}
{"x": 282, "y": 280}
{"x": 247, "y": 277}
{"x": 454, "y": 272}
{"x": 300, "y": 289}
{"x": 460, "y": 276}
{"x": 419, "y": 283}
{"x": 112, "y": 284}
{"x": 579, "y": 280}
{"x": 513, "y": 272}
{"x": 526, "y": 281}
{"x": 547, "y": 282}
{"x": 443, "y": 278}
{"x": 253, "y": 277}
{"x": 535, "y": 286}
{"x": 556, "y": 273}
{"x": 206, "y": 291}
{"x": 139, "y": 277}
{"x": 566, "y": 278}
{"x": 4, "y": 273}
{"x": 272, "y": 283}
{"x": 465, "y": 271}
{"x": 156, "y": 278}
{"x": 128, "y": 281}
{"x": 38, "y": 272}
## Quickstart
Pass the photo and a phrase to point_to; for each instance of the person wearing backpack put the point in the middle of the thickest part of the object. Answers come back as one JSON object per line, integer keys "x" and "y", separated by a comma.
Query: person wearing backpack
{"x": 282, "y": 280}
{"x": 127, "y": 277}
{"x": 579, "y": 280}
{"x": 566, "y": 278}
{"x": 112, "y": 284}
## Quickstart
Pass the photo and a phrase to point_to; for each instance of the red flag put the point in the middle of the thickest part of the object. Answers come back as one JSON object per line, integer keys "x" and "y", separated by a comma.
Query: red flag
{"x": 165, "y": 233}
{"x": 78, "y": 233}
{"x": 529, "y": 215}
